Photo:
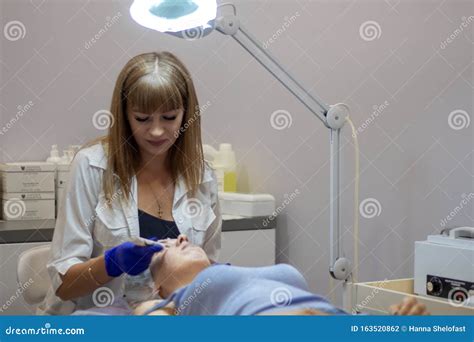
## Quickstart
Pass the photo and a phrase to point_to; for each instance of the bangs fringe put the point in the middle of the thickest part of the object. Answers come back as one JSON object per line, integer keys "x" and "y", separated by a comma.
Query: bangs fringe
{"x": 152, "y": 93}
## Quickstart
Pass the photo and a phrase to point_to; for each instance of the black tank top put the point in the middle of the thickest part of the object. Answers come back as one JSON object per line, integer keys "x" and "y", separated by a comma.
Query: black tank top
{"x": 152, "y": 226}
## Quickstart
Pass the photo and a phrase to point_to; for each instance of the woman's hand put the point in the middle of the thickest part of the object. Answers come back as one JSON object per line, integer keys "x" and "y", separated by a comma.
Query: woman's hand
{"x": 129, "y": 258}
{"x": 409, "y": 306}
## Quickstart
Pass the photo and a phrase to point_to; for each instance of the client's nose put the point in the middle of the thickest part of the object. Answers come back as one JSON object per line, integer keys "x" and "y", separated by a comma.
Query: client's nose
{"x": 181, "y": 238}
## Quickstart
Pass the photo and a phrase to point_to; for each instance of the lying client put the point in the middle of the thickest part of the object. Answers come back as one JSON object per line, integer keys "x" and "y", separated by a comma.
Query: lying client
{"x": 183, "y": 275}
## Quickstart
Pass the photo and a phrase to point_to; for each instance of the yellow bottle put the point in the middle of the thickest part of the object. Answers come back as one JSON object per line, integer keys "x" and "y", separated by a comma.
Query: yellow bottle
{"x": 229, "y": 164}
{"x": 230, "y": 181}
{"x": 224, "y": 164}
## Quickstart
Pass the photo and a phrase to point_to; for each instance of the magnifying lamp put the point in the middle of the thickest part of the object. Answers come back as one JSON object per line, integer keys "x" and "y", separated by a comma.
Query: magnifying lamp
{"x": 193, "y": 19}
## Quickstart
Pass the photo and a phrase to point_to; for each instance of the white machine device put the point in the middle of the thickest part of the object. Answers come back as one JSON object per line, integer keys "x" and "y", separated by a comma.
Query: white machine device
{"x": 444, "y": 266}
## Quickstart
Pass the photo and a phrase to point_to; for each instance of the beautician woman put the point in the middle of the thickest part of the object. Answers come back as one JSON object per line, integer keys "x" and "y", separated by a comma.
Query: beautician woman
{"x": 146, "y": 178}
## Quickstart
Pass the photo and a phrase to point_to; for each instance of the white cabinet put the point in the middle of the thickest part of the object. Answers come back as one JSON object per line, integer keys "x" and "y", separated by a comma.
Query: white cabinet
{"x": 248, "y": 247}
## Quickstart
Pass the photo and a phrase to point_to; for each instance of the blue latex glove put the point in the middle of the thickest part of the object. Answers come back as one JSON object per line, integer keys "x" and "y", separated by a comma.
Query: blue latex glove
{"x": 129, "y": 258}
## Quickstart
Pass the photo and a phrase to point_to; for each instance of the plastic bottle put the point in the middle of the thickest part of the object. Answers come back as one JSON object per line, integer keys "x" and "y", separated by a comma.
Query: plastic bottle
{"x": 65, "y": 159}
{"x": 70, "y": 154}
{"x": 227, "y": 159}
{"x": 75, "y": 148}
{"x": 213, "y": 157}
{"x": 224, "y": 164}
{"x": 54, "y": 155}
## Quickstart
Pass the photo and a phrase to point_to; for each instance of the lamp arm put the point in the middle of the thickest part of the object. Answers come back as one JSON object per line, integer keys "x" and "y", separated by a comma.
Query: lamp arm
{"x": 333, "y": 117}
{"x": 229, "y": 25}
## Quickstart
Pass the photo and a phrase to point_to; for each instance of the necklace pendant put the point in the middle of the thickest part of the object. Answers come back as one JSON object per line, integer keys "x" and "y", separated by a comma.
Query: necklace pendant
{"x": 160, "y": 213}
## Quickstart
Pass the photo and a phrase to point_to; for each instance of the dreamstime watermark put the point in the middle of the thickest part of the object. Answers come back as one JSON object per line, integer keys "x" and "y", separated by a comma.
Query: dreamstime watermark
{"x": 466, "y": 199}
{"x": 465, "y": 22}
{"x": 195, "y": 32}
{"x": 102, "y": 207}
{"x": 46, "y": 330}
{"x": 199, "y": 110}
{"x": 459, "y": 119}
{"x": 281, "y": 119}
{"x": 109, "y": 22}
{"x": 103, "y": 119}
{"x": 14, "y": 30}
{"x": 370, "y": 207}
{"x": 459, "y": 296}
{"x": 370, "y": 30}
{"x": 281, "y": 296}
{"x": 189, "y": 299}
{"x": 18, "y": 293}
{"x": 288, "y": 199}
{"x": 366, "y": 301}
{"x": 192, "y": 208}
{"x": 102, "y": 297}
{"x": 377, "y": 111}
{"x": 14, "y": 208}
{"x": 288, "y": 21}
{"x": 21, "y": 110}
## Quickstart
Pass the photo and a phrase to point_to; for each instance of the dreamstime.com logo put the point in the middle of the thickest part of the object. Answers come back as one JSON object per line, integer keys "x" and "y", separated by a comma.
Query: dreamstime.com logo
{"x": 103, "y": 119}
{"x": 102, "y": 297}
{"x": 14, "y": 208}
{"x": 14, "y": 30}
{"x": 281, "y": 296}
{"x": 281, "y": 119}
{"x": 195, "y": 32}
{"x": 197, "y": 291}
{"x": 108, "y": 203}
{"x": 466, "y": 199}
{"x": 192, "y": 208}
{"x": 18, "y": 293}
{"x": 370, "y": 207}
{"x": 21, "y": 110}
{"x": 377, "y": 111}
{"x": 109, "y": 22}
{"x": 46, "y": 330}
{"x": 359, "y": 307}
{"x": 370, "y": 30}
{"x": 288, "y": 199}
{"x": 459, "y": 296}
{"x": 288, "y": 21}
{"x": 465, "y": 22}
{"x": 198, "y": 111}
{"x": 459, "y": 119}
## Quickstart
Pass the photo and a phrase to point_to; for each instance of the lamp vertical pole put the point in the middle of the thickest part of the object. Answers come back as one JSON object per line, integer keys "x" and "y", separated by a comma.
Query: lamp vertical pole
{"x": 332, "y": 117}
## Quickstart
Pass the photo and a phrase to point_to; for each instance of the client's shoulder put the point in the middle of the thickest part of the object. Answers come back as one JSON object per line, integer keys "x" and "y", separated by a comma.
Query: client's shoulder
{"x": 285, "y": 268}
{"x": 281, "y": 269}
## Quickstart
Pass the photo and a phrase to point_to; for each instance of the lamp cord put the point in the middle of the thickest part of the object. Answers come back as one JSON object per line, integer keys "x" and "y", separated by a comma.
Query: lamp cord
{"x": 355, "y": 270}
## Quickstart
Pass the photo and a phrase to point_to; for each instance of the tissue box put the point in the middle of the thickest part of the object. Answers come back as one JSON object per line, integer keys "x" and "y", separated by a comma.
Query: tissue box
{"x": 27, "y": 177}
{"x": 247, "y": 205}
{"x": 27, "y": 206}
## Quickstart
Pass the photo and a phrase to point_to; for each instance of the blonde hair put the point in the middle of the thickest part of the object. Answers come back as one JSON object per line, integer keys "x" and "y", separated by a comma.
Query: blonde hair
{"x": 155, "y": 81}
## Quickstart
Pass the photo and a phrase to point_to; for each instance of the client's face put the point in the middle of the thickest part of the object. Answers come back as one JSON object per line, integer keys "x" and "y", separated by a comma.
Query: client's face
{"x": 177, "y": 264}
{"x": 179, "y": 253}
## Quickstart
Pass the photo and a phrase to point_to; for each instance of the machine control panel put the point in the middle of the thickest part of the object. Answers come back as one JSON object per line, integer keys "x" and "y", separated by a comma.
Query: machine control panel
{"x": 457, "y": 291}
